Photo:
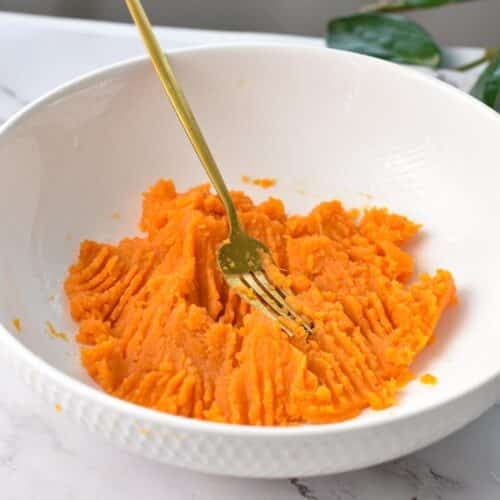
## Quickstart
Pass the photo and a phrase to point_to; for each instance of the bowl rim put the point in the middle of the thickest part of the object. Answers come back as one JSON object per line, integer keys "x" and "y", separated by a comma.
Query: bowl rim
{"x": 96, "y": 395}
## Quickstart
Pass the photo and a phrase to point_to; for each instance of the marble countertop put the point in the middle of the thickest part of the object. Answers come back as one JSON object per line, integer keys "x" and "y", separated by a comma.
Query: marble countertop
{"x": 44, "y": 456}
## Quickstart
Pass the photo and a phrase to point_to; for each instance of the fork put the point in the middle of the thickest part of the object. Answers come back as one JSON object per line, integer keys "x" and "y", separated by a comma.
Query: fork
{"x": 241, "y": 258}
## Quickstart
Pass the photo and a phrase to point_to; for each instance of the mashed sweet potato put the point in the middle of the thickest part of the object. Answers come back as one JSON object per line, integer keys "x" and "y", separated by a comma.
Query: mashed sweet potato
{"x": 159, "y": 327}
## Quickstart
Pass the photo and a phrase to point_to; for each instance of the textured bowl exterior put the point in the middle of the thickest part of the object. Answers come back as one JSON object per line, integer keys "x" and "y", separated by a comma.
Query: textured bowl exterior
{"x": 228, "y": 450}
{"x": 37, "y": 146}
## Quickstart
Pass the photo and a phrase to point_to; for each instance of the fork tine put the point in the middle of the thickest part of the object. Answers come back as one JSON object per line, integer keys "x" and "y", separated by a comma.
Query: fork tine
{"x": 269, "y": 289}
{"x": 278, "y": 296}
{"x": 283, "y": 294}
{"x": 254, "y": 297}
{"x": 257, "y": 294}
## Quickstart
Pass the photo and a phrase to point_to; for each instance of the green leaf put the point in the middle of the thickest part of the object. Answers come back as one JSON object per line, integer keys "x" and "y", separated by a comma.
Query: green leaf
{"x": 406, "y": 5}
{"x": 487, "y": 88}
{"x": 386, "y": 36}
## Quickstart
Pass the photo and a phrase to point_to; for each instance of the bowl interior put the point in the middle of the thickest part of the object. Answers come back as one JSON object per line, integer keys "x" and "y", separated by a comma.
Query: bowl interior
{"x": 325, "y": 124}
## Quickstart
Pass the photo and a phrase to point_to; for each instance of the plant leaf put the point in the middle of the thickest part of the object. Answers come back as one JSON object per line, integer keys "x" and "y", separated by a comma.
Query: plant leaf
{"x": 386, "y": 36}
{"x": 487, "y": 88}
{"x": 406, "y": 5}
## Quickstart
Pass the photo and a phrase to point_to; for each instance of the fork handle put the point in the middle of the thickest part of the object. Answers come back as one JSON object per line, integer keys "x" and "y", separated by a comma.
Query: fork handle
{"x": 183, "y": 111}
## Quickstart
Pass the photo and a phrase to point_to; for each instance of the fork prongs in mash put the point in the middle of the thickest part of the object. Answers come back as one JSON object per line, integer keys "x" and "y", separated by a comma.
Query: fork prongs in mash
{"x": 255, "y": 288}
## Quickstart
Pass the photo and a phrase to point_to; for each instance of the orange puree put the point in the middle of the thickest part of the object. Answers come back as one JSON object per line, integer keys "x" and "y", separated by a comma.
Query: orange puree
{"x": 159, "y": 327}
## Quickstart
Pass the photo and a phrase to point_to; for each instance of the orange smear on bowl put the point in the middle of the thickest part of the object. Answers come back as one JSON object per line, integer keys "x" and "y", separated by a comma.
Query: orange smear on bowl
{"x": 261, "y": 182}
{"x": 159, "y": 327}
{"x": 428, "y": 379}
{"x": 54, "y": 333}
{"x": 16, "y": 323}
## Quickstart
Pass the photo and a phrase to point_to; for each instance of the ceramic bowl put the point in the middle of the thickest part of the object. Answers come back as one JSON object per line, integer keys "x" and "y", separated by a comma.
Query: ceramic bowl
{"x": 326, "y": 124}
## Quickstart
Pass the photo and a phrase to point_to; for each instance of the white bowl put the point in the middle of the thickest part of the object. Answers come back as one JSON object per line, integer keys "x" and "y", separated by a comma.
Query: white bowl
{"x": 326, "y": 124}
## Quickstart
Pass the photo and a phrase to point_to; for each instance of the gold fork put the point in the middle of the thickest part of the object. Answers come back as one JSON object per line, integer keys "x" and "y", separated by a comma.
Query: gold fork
{"x": 241, "y": 259}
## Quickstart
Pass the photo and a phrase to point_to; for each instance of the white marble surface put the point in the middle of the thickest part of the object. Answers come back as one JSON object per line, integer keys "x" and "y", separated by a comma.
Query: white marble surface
{"x": 44, "y": 456}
